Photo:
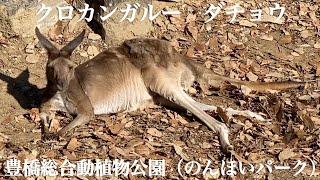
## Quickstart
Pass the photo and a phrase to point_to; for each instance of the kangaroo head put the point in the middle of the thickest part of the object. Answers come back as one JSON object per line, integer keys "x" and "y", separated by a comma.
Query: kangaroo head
{"x": 60, "y": 67}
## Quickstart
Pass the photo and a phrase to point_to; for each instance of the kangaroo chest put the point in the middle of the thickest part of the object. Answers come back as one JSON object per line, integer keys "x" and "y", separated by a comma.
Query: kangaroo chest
{"x": 61, "y": 103}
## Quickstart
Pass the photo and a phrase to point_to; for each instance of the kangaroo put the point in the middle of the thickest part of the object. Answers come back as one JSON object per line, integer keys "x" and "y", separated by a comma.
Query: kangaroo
{"x": 138, "y": 73}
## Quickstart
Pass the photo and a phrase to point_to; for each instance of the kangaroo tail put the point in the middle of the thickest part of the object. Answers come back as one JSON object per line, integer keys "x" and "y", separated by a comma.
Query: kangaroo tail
{"x": 203, "y": 74}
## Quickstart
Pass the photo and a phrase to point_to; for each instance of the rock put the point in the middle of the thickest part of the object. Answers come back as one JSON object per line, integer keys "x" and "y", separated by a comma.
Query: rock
{"x": 19, "y": 16}
{"x": 32, "y": 58}
{"x": 93, "y": 51}
{"x": 113, "y": 31}
{"x": 94, "y": 36}
{"x": 30, "y": 49}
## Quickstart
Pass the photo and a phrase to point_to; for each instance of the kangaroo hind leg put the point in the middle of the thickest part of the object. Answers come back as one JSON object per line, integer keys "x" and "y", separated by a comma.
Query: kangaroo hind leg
{"x": 163, "y": 84}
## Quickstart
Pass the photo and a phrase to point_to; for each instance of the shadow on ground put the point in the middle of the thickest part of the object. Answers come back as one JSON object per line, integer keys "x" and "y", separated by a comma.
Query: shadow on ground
{"x": 26, "y": 94}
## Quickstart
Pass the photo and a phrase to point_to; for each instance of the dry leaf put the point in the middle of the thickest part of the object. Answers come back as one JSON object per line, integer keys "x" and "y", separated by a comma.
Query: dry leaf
{"x": 286, "y": 154}
{"x": 279, "y": 110}
{"x": 255, "y": 158}
{"x": 252, "y": 77}
{"x": 306, "y": 120}
{"x": 193, "y": 31}
{"x": 206, "y": 145}
{"x": 32, "y": 155}
{"x": 73, "y": 144}
{"x": 247, "y": 23}
{"x": 200, "y": 47}
{"x": 275, "y": 74}
{"x": 305, "y": 33}
{"x": 212, "y": 174}
{"x": 73, "y": 23}
{"x": 318, "y": 70}
{"x": 54, "y": 124}
{"x": 246, "y": 90}
{"x": 143, "y": 150}
{"x": 295, "y": 54}
{"x": 55, "y": 31}
{"x": 34, "y": 114}
{"x": 192, "y": 90}
{"x": 128, "y": 124}
{"x": 213, "y": 43}
{"x": 284, "y": 56}
{"x": 191, "y": 17}
{"x": 285, "y": 40}
{"x": 70, "y": 156}
{"x": 123, "y": 152}
{"x": 190, "y": 52}
{"x": 223, "y": 115}
{"x": 317, "y": 45}
{"x": 193, "y": 125}
{"x": 154, "y": 132}
{"x": 113, "y": 152}
{"x": 93, "y": 50}
{"x": 238, "y": 157}
{"x": 179, "y": 151}
{"x": 104, "y": 137}
{"x": 310, "y": 171}
{"x": 50, "y": 154}
{"x": 234, "y": 39}
{"x": 116, "y": 128}
{"x": 272, "y": 19}
{"x": 135, "y": 142}
{"x": 182, "y": 121}
{"x": 266, "y": 37}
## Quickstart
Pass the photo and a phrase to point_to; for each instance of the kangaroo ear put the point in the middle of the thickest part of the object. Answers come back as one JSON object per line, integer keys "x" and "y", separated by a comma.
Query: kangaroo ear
{"x": 71, "y": 46}
{"x": 46, "y": 43}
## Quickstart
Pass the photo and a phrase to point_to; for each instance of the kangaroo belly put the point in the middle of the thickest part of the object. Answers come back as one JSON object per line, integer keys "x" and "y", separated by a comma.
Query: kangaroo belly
{"x": 129, "y": 96}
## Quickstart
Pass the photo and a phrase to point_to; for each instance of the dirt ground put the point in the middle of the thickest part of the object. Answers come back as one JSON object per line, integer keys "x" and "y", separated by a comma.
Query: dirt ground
{"x": 261, "y": 51}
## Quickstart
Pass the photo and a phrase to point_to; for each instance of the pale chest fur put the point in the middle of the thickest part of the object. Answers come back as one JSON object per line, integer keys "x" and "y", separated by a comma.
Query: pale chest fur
{"x": 60, "y": 103}
{"x": 132, "y": 96}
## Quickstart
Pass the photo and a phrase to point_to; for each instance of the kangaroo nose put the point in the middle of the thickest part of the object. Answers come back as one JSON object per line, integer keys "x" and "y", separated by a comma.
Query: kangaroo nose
{"x": 60, "y": 84}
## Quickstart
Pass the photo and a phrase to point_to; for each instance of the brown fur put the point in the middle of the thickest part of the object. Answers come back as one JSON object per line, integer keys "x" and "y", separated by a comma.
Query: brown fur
{"x": 136, "y": 74}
